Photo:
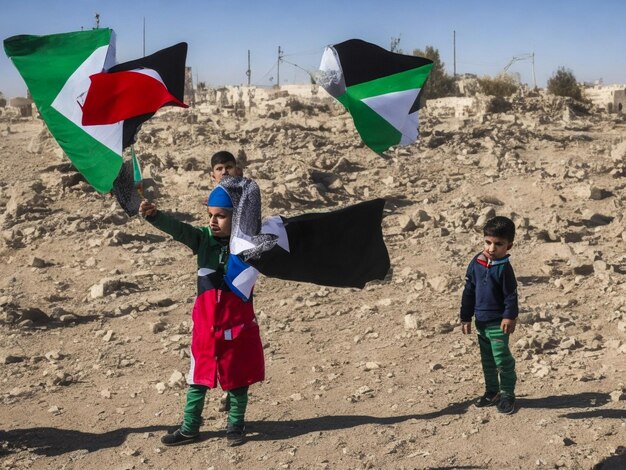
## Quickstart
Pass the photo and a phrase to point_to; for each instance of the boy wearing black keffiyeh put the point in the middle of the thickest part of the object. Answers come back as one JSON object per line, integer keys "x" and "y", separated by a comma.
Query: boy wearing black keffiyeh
{"x": 226, "y": 347}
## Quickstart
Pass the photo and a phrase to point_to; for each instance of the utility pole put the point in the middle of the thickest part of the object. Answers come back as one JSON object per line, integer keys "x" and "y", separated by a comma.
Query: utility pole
{"x": 454, "y": 49}
{"x": 144, "y": 36}
{"x": 280, "y": 57}
{"x": 249, "y": 72}
{"x": 534, "y": 78}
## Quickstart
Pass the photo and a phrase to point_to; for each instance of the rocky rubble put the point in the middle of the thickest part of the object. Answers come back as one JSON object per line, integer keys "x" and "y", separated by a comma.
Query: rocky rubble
{"x": 94, "y": 305}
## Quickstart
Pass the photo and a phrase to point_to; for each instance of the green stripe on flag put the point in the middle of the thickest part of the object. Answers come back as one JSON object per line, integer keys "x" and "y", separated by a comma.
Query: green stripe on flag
{"x": 51, "y": 64}
{"x": 375, "y": 131}
{"x": 408, "y": 80}
{"x": 97, "y": 163}
{"x": 46, "y": 62}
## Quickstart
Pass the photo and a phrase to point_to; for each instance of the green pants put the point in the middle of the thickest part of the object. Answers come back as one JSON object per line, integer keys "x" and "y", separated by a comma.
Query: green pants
{"x": 495, "y": 356}
{"x": 237, "y": 398}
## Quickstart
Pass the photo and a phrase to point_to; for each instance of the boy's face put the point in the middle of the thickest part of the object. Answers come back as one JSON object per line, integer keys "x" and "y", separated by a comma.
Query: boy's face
{"x": 221, "y": 169}
{"x": 220, "y": 221}
{"x": 496, "y": 247}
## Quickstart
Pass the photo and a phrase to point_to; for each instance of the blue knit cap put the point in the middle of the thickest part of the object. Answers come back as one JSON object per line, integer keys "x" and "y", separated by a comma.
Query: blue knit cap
{"x": 219, "y": 198}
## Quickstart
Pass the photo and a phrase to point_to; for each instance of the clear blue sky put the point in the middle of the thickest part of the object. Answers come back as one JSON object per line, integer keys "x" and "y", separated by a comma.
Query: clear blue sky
{"x": 586, "y": 37}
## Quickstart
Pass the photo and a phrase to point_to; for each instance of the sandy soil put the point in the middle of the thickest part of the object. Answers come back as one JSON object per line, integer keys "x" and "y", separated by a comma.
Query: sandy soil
{"x": 95, "y": 307}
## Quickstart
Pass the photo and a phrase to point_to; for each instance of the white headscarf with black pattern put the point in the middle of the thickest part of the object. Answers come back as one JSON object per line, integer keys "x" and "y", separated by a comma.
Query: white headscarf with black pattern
{"x": 246, "y": 239}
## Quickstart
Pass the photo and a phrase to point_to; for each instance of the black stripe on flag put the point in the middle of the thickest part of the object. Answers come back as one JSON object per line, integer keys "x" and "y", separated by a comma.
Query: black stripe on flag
{"x": 362, "y": 61}
{"x": 343, "y": 248}
{"x": 170, "y": 64}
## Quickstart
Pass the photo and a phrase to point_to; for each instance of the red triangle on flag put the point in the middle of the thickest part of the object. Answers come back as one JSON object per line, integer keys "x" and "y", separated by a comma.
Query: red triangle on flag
{"x": 117, "y": 96}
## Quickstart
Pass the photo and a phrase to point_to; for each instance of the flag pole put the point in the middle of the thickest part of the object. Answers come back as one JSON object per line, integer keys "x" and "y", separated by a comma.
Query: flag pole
{"x": 137, "y": 178}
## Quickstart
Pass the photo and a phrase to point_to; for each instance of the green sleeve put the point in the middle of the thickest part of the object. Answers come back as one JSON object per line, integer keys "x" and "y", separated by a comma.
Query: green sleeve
{"x": 180, "y": 231}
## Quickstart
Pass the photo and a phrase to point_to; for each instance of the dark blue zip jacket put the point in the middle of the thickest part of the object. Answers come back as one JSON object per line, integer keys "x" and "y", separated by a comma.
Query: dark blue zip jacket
{"x": 490, "y": 291}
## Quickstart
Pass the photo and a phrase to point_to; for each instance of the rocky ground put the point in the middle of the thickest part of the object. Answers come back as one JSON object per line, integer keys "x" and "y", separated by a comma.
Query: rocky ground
{"x": 94, "y": 306}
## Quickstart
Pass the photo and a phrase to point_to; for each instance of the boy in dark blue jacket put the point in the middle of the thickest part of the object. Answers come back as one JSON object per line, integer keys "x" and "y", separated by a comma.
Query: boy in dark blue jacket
{"x": 491, "y": 295}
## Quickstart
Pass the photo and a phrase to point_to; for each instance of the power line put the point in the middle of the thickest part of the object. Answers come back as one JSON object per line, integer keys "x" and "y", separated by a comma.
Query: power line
{"x": 301, "y": 68}
{"x": 268, "y": 72}
{"x": 311, "y": 52}
{"x": 529, "y": 56}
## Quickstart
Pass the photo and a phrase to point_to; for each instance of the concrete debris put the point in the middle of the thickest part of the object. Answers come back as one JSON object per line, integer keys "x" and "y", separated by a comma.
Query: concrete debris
{"x": 97, "y": 308}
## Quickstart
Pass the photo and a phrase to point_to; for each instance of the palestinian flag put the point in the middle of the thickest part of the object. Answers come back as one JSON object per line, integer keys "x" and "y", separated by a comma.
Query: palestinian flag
{"x": 56, "y": 69}
{"x": 342, "y": 248}
{"x": 380, "y": 89}
{"x": 133, "y": 91}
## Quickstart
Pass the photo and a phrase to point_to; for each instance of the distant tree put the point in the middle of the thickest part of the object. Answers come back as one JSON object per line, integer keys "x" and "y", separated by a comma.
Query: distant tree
{"x": 563, "y": 83}
{"x": 439, "y": 83}
{"x": 501, "y": 86}
{"x": 395, "y": 45}
{"x": 499, "y": 104}
{"x": 3, "y": 102}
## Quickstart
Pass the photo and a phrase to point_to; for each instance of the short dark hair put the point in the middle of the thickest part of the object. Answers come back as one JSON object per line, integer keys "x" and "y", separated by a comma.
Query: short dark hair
{"x": 501, "y": 227}
{"x": 222, "y": 156}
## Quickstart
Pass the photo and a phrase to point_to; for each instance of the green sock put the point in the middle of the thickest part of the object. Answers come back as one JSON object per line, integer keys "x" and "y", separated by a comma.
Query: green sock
{"x": 193, "y": 410}
{"x": 238, "y": 399}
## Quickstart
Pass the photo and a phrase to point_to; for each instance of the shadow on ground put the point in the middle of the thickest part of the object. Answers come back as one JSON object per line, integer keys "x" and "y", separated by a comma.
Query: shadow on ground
{"x": 276, "y": 430}
{"x": 54, "y": 441}
{"x": 617, "y": 461}
{"x": 610, "y": 413}
{"x": 555, "y": 402}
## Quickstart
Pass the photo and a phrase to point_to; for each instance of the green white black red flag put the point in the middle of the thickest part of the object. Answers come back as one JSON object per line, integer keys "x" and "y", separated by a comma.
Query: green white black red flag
{"x": 380, "y": 89}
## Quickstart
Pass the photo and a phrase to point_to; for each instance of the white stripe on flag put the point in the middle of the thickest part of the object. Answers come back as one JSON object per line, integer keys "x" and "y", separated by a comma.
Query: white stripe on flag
{"x": 274, "y": 226}
{"x": 409, "y": 132}
{"x": 394, "y": 107}
{"x": 244, "y": 282}
{"x": 69, "y": 100}
{"x": 150, "y": 73}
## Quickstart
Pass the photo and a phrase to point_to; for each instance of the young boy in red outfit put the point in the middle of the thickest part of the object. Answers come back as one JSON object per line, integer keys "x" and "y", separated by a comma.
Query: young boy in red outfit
{"x": 226, "y": 345}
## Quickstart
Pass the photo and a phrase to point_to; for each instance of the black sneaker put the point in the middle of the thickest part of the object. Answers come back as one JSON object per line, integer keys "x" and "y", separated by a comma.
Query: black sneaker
{"x": 506, "y": 405}
{"x": 235, "y": 434}
{"x": 488, "y": 399}
{"x": 177, "y": 438}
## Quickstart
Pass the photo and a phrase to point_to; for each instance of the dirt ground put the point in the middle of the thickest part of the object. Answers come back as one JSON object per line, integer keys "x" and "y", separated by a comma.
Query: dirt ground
{"x": 95, "y": 306}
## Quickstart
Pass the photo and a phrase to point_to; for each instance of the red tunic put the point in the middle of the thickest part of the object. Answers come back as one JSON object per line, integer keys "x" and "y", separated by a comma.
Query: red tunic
{"x": 226, "y": 345}
{"x": 225, "y": 342}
